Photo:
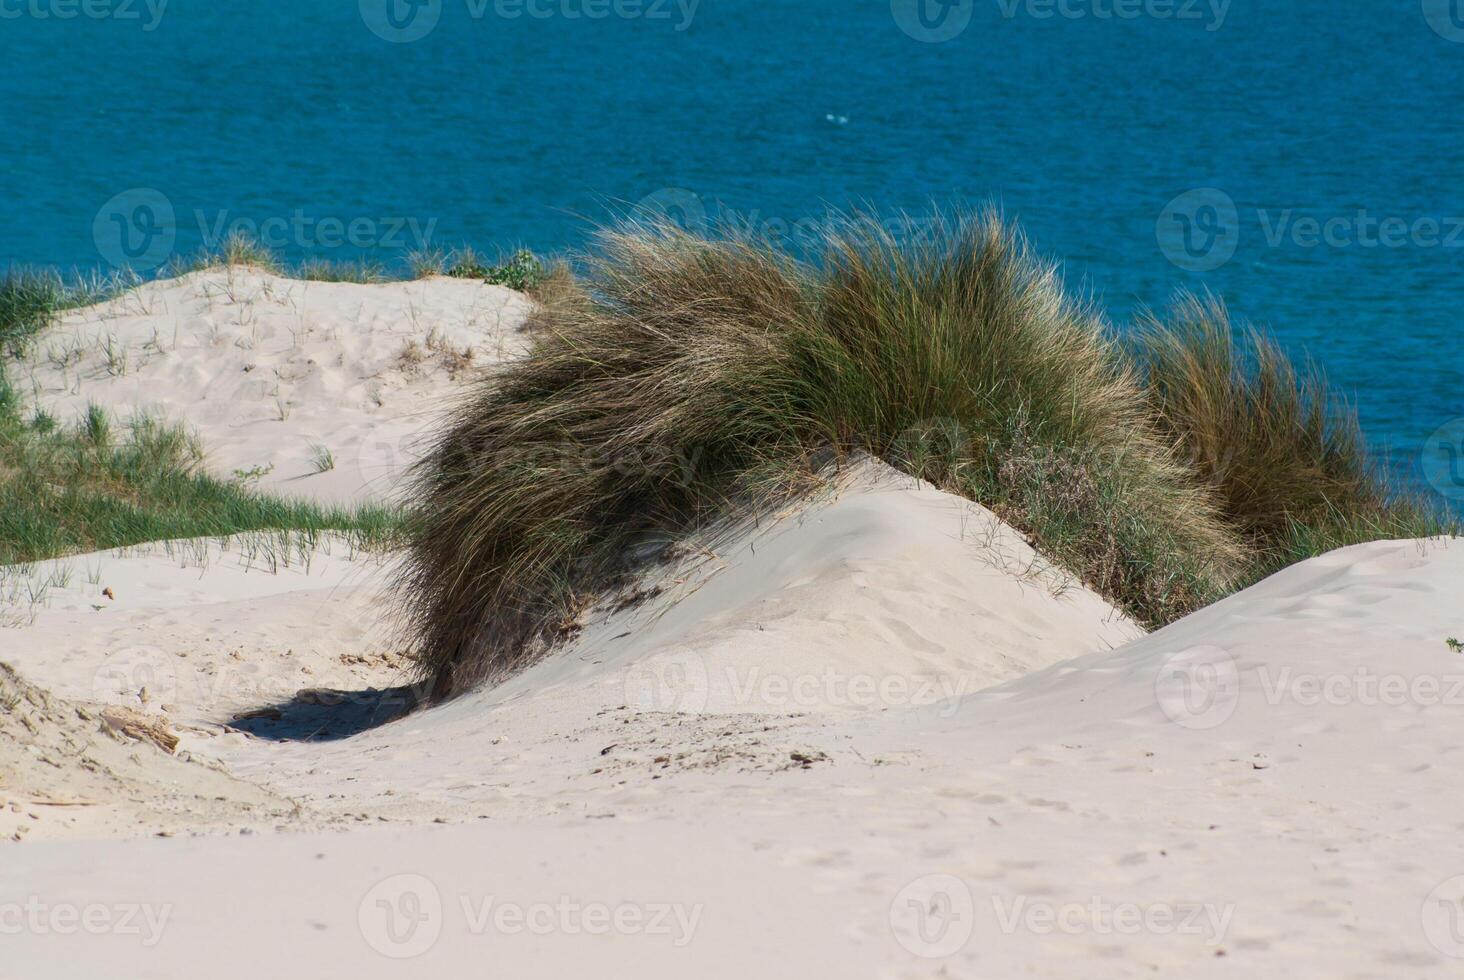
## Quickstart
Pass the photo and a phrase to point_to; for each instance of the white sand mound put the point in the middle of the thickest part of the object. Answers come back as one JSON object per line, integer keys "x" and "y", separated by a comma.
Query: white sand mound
{"x": 276, "y": 373}
{"x": 887, "y": 593}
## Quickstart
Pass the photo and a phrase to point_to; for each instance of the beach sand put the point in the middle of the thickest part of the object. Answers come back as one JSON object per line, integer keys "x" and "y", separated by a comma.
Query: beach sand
{"x": 876, "y": 736}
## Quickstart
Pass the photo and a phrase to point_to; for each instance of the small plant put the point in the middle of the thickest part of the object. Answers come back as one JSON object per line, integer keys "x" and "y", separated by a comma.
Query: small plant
{"x": 253, "y": 473}
{"x": 409, "y": 359}
{"x": 116, "y": 356}
{"x": 523, "y": 271}
{"x": 43, "y": 421}
{"x": 453, "y": 360}
{"x": 96, "y": 428}
{"x": 1453, "y": 644}
{"x": 426, "y": 262}
{"x": 321, "y": 458}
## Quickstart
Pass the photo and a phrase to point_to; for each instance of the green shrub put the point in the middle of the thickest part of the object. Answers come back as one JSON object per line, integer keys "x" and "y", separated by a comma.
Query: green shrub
{"x": 521, "y": 271}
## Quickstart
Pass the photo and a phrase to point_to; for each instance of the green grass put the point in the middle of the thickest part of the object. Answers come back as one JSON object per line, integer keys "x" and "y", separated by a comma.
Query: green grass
{"x": 30, "y": 300}
{"x": 91, "y": 487}
{"x": 689, "y": 380}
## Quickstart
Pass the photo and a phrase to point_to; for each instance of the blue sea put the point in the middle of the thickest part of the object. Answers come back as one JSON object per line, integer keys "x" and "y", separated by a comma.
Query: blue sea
{"x": 1302, "y": 159}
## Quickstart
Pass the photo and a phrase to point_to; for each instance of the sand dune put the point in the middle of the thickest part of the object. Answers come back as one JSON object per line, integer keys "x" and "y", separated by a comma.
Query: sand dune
{"x": 875, "y": 736}
{"x": 269, "y": 371}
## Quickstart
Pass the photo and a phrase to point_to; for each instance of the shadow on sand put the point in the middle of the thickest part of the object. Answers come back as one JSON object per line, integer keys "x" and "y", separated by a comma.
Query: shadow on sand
{"x": 324, "y": 715}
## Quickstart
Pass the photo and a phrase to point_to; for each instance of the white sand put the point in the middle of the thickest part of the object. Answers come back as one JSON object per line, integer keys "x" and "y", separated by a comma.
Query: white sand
{"x": 875, "y": 738}
{"x": 268, "y": 370}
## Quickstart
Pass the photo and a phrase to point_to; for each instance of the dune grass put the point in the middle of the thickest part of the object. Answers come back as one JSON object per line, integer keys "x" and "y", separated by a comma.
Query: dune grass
{"x": 683, "y": 381}
{"x": 1282, "y": 451}
{"x": 686, "y": 380}
{"x": 94, "y": 485}
{"x": 1273, "y": 440}
{"x": 31, "y": 299}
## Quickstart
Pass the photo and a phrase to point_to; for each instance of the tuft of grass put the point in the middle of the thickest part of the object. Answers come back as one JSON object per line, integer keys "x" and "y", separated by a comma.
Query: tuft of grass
{"x": 242, "y": 249}
{"x": 361, "y": 271}
{"x": 29, "y": 301}
{"x": 322, "y": 459}
{"x": 1282, "y": 451}
{"x": 66, "y": 490}
{"x": 424, "y": 262}
{"x": 688, "y": 380}
{"x": 96, "y": 427}
{"x": 237, "y": 249}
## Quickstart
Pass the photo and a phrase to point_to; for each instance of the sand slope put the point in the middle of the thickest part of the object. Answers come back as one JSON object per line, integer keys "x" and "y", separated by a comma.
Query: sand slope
{"x": 1187, "y": 803}
{"x": 90, "y": 771}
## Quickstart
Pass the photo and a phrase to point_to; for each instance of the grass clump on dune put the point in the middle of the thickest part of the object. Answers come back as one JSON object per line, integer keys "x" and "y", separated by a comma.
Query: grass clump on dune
{"x": 28, "y": 303}
{"x": 688, "y": 379}
{"x": 90, "y": 487}
{"x": 1282, "y": 451}
{"x": 31, "y": 299}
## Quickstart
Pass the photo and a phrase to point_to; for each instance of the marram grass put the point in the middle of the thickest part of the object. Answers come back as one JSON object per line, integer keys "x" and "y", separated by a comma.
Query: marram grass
{"x": 686, "y": 379}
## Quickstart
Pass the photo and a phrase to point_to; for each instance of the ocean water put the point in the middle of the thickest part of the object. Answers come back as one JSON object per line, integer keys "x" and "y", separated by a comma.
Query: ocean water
{"x": 1301, "y": 159}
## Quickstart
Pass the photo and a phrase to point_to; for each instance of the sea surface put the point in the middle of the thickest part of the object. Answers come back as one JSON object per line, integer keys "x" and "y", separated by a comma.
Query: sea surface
{"x": 1302, "y": 159}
